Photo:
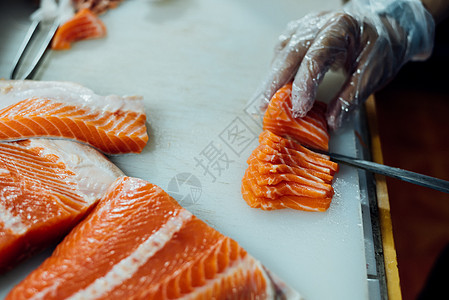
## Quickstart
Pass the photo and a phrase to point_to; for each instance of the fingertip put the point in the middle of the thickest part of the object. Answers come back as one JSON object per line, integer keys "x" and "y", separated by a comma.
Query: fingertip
{"x": 337, "y": 112}
{"x": 264, "y": 101}
{"x": 333, "y": 122}
{"x": 298, "y": 114}
{"x": 301, "y": 101}
{"x": 258, "y": 102}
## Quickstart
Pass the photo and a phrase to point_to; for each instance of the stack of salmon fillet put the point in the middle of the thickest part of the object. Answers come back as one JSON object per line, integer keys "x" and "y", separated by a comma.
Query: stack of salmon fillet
{"x": 281, "y": 172}
{"x": 123, "y": 237}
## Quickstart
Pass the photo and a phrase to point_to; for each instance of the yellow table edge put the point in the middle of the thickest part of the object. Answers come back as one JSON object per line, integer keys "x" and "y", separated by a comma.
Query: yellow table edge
{"x": 389, "y": 250}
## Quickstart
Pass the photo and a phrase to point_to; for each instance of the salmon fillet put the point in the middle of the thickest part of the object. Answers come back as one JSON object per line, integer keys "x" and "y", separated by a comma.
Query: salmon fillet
{"x": 266, "y": 153}
{"x": 83, "y": 25}
{"x": 283, "y": 169}
{"x": 289, "y": 146}
{"x": 285, "y": 201}
{"x": 112, "y": 124}
{"x": 283, "y": 174}
{"x": 138, "y": 243}
{"x": 46, "y": 187}
{"x": 310, "y": 130}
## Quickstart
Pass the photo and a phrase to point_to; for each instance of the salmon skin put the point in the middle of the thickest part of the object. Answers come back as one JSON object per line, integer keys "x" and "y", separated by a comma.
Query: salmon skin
{"x": 112, "y": 124}
{"x": 138, "y": 243}
{"x": 46, "y": 187}
{"x": 83, "y": 25}
{"x": 310, "y": 130}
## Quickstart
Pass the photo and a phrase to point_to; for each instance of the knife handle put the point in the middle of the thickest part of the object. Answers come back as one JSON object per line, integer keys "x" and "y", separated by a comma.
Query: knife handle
{"x": 401, "y": 174}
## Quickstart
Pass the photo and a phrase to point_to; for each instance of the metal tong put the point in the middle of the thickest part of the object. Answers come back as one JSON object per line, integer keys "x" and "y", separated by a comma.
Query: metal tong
{"x": 37, "y": 27}
{"x": 401, "y": 174}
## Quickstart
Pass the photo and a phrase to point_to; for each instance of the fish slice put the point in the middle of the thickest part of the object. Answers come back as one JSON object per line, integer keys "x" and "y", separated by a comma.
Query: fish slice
{"x": 401, "y": 174}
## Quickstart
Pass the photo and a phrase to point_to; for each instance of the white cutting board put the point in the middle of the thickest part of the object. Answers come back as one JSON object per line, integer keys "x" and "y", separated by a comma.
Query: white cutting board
{"x": 196, "y": 63}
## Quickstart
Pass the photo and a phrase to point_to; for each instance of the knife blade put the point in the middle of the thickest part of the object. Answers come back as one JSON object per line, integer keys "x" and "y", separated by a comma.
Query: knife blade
{"x": 401, "y": 174}
{"x": 36, "y": 43}
{"x": 49, "y": 29}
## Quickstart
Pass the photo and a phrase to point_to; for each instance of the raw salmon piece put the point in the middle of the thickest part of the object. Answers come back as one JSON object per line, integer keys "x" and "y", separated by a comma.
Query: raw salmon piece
{"x": 83, "y": 25}
{"x": 265, "y": 153}
{"x": 281, "y": 172}
{"x": 285, "y": 201}
{"x": 291, "y": 188}
{"x": 269, "y": 168}
{"x": 274, "y": 179}
{"x": 138, "y": 243}
{"x": 271, "y": 143}
{"x": 112, "y": 124}
{"x": 302, "y": 153}
{"x": 289, "y": 146}
{"x": 310, "y": 130}
{"x": 312, "y": 162}
{"x": 46, "y": 187}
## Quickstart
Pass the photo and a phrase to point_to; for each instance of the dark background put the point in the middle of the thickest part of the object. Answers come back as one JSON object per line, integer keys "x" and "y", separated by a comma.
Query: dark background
{"x": 413, "y": 117}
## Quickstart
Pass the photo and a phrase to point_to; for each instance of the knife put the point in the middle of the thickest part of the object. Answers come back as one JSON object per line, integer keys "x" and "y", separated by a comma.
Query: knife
{"x": 401, "y": 174}
{"x": 44, "y": 23}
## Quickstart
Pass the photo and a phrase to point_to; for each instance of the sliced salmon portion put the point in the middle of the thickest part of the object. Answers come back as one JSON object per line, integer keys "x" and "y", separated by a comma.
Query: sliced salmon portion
{"x": 275, "y": 190}
{"x": 273, "y": 179}
{"x": 283, "y": 174}
{"x": 83, "y": 25}
{"x": 288, "y": 146}
{"x": 285, "y": 201}
{"x": 46, "y": 187}
{"x": 112, "y": 124}
{"x": 310, "y": 130}
{"x": 266, "y": 153}
{"x": 268, "y": 168}
{"x": 138, "y": 243}
{"x": 313, "y": 162}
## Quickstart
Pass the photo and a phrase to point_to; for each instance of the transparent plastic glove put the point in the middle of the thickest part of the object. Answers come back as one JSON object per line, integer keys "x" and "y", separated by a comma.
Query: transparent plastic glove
{"x": 49, "y": 10}
{"x": 369, "y": 39}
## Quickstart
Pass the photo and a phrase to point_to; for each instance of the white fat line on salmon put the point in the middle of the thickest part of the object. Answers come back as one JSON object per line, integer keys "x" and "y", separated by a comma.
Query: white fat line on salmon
{"x": 11, "y": 222}
{"x": 244, "y": 266}
{"x": 68, "y": 93}
{"x": 56, "y": 188}
{"x": 126, "y": 268}
{"x": 304, "y": 207}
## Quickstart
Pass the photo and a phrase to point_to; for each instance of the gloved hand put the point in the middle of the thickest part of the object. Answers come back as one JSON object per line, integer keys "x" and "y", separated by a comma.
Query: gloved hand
{"x": 369, "y": 39}
{"x": 50, "y": 10}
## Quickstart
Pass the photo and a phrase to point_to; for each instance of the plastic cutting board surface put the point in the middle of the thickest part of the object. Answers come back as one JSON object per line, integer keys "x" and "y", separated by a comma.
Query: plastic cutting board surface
{"x": 196, "y": 63}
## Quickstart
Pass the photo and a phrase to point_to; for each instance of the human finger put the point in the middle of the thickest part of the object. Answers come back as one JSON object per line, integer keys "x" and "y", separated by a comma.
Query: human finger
{"x": 283, "y": 68}
{"x": 369, "y": 71}
{"x": 332, "y": 47}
